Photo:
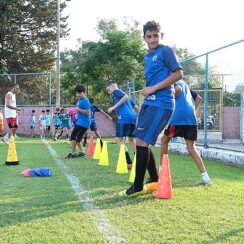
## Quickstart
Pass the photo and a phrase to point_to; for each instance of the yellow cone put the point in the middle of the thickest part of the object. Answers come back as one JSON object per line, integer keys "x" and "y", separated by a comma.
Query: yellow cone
{"x": 12, "y": 154}
{"x": 104, "y": 155}
{"x": 97, "y": 152}
{"x": 121, "y": 164}
{"x": 133, "y": 171}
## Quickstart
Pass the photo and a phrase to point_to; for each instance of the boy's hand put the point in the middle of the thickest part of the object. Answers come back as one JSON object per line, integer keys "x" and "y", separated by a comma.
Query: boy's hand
{"x": 110, "y": 110}
{"x": 147, "y": 91}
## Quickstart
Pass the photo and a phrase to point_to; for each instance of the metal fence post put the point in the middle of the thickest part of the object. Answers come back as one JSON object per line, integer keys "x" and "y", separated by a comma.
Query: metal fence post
{"x": 206, "y": 104}
{"x": 49, "y": 89}
{"x": 242, "y": 118}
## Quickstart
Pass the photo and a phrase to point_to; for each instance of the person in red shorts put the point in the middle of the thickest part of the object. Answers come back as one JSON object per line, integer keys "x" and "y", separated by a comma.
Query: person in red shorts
{"x": 10, "y": 112}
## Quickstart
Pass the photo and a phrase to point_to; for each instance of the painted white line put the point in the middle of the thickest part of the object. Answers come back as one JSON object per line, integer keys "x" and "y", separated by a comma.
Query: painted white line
{"x": 97, "y": 215}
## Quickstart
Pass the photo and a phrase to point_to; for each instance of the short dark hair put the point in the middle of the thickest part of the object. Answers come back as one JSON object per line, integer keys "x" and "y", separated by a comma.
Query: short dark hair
{"x": 43, "y": 111}
{"x": 151, "y": 26}
{"x": 75, "y": 103}
{"x": 48, "y": 110}
{"x": 91, "y": 99}
{"x": 111, "y": 82}
{"x": 33, "y": 111}
{"x": 80, "y": 88}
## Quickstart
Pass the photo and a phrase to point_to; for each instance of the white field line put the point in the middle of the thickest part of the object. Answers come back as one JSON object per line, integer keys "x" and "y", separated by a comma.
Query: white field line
{"x": 97, "y": 215}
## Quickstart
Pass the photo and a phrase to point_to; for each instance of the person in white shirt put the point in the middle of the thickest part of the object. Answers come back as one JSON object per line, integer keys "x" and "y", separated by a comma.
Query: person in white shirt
{"x": 10, "y": 112}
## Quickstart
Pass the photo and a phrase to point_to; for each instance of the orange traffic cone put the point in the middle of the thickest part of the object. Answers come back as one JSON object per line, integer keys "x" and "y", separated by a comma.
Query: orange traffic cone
{"x": 12, "y": 154}
{"x": 90, "y": 150}
{"x": 164, "y": 186}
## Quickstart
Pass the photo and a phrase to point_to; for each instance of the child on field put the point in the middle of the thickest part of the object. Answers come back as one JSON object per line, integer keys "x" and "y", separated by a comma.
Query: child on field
{"x": 183, "y": 123}
{"x": 73, "y": 114}
{"x": 48, "y": 119}
{"x": 93, "y": 126}
{"x": 32, "y": 122}
{"x": 82, "y": 124}
{"x": 56, "y": 121}
{"x": 64, "y": 118}
{"x": 162, "y": 70}
{"x": 42, "y": 124}
{"x": 126, "y": 122}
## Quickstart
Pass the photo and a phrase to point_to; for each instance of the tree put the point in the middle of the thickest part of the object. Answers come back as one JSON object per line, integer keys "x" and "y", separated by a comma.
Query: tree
{"x": 118, "y": 55}
{"x": 28, "y": 36}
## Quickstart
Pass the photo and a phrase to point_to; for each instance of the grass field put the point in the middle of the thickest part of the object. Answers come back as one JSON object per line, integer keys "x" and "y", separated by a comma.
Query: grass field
{"x": 47, "y": 210}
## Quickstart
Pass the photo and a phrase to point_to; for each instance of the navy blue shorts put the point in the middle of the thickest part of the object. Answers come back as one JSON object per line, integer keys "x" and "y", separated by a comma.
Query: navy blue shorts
{"x": 123, "y": 130}
{"x": 188, "y": 132}
{"x": 93, "y": 126}
{"x": 151, "y": 121}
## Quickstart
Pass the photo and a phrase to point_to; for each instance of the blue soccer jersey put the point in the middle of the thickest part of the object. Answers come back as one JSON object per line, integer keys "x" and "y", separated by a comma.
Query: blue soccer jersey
{"x": 94, "y": 109}
{"x": 48, "y": 119}
{"x": 159, "y": 64}
{"x": 126, "y": 113}
{"x": 184, "y": 113}
{"x": 83, "y": 120}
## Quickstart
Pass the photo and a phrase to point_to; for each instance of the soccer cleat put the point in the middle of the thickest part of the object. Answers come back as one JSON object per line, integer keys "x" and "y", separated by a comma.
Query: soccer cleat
{"x": 206, "y": 182}
{"x": 132, "y": 193}
{"x": 81, "y": 154}
{"x": 5, "y": 140}
{"x": 70, "y": 156}
{"x": 151, "y": 186}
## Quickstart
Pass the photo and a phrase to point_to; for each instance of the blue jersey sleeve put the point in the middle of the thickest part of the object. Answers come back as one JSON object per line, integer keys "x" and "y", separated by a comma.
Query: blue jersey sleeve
{"x": 85, "y": 105}
{"x": 170, "y": 59}
{"x": 118, "y": 94}
{"x": 193, "y": 94}
{"x": 97, "y": 109}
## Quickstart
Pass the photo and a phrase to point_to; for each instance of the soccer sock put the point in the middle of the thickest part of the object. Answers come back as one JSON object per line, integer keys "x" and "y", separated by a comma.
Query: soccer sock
{"x": 101, "y": 142}
{"x": 128, "y": 159}
{"x": 142, "y": 158}
{"x": 151, "y": 167}
{"x": 85, "y": 142}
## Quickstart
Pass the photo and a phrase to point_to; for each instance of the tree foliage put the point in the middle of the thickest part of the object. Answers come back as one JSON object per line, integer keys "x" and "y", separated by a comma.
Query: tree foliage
{"x": 118, "y": 55}
{"x": 28, "y": 37}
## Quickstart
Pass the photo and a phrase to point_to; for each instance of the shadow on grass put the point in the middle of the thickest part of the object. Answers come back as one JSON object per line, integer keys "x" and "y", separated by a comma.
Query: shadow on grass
{"x": 224, "y": 237}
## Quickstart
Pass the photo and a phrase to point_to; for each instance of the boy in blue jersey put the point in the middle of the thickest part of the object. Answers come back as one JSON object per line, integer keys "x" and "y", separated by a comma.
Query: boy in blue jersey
{"x": 162, "y": 70}
{"x": 32, "y": 122}
{"x": 83, "y": 122}
{"x": 183, "y": 123}
{"x": 64, "y": 127}
{"x": 126, "y": 122}
{"x": 48, "y": 120}
{"x": 93, "y": 126}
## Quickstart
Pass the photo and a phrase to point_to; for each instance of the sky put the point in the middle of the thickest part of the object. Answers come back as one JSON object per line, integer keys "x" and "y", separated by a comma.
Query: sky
{"x": 198, "y": 25}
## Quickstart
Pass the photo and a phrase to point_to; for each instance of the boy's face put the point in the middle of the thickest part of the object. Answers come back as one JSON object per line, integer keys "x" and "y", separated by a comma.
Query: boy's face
{"x": 152, "y": 39}
{"x": 65, "y": 110}
{"x": 110, "y": 89}
{"x": 80, "y": 94}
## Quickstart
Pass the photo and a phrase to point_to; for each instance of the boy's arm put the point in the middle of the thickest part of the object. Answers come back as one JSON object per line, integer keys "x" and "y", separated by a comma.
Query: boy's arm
{"x": 8, "y": 103}
{"x": 171, "y": 79}
{"x": 197, "y": 99}
{"x": 178, "y": 90}
{"x": 105, "y": 114}
{"x": 120, "y": 102}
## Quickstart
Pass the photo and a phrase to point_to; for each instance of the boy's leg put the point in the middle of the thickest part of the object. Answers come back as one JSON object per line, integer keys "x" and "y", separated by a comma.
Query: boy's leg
{"x": 152, "y": 168}
{"x": 146, "y": 133}
{"x": 164, "y": 146}
{"x": 99, "y": 136}
{"x": 198, "y": 160}
{"x": 120, "y": 141}
{"x": 85, "y": 139}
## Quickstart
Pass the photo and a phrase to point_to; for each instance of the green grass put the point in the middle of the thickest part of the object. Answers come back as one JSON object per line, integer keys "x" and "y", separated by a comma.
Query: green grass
{"x": 46, "y": 210}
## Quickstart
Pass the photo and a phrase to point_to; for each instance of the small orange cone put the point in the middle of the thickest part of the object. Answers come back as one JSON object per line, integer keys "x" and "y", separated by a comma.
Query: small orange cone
{"x": 90, "y": 150}
{"x": 164, "y": 186}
